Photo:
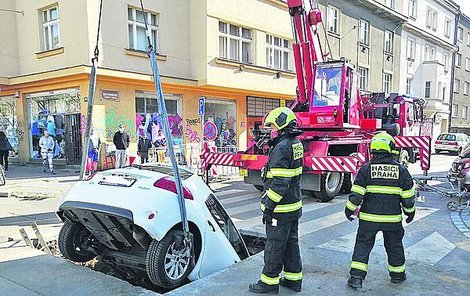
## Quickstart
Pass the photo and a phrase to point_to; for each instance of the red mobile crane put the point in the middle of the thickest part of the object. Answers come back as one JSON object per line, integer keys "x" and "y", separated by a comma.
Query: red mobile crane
{"x": 337, "y": 120}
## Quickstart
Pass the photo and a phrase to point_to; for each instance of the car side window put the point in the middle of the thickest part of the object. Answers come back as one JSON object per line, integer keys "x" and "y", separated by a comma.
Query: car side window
{"x": 226, "y": 225}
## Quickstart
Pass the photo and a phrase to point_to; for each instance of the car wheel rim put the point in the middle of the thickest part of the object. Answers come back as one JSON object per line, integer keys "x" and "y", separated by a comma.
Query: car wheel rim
{"x": 80, "y": 239}
{"x": 176, "y": 261}
{"x": 332, "y": 181}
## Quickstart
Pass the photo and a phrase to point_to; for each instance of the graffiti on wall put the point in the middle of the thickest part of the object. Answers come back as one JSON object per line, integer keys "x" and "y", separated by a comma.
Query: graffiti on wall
{"x": 151, "y": 125}
{"x": 192, "y": 135}
{"x": 113, "y": 120}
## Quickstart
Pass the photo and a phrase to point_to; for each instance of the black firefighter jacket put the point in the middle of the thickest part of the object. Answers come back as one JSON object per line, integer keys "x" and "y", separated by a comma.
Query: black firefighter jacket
{"x": 383, "y": 188}
{"x": 281, "y": 177}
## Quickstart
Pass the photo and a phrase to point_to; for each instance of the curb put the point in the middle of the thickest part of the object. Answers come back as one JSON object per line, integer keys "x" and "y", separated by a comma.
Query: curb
{"x": 461, "y": 221}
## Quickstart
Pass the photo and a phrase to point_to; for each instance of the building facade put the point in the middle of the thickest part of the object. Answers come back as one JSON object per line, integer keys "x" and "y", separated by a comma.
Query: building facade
{"x": 460, "y": 114}
{"x": 427, "y": 50}
{"x": 240, "y": 63}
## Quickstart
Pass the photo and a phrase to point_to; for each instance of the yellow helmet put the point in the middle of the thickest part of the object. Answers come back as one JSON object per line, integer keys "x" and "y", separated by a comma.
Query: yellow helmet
{"x": 280, "y": 118}
{"x": 383, "y": 142}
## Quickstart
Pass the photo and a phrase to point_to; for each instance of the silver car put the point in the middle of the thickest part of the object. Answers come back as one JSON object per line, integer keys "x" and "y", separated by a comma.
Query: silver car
{"x": 451, "y": 142}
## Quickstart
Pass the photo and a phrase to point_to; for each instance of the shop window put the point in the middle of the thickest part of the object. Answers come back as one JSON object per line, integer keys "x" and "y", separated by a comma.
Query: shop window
{"x": 149, "y": 121}
{"x": 59, "y": 113}
{"x": 50, "y": 28}
{"x": 136, "y": 29}
{"x": 258, "y": 107}
{"x": 9, "y": 123}
{"x": 223, "y": 113}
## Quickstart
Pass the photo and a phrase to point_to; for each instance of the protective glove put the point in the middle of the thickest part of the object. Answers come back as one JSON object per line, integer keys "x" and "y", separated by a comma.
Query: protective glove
{"x": 348, "y": 213}
{"x": 410, "y": 216}
{"x": 267, "y": 216}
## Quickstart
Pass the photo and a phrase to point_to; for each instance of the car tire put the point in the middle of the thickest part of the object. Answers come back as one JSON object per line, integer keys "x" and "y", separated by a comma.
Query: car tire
{"x": 259, "y": 187}
{"x": 156, "y": 262}
{"x": 72, "y": 236}
{"x": 330, "y": 186}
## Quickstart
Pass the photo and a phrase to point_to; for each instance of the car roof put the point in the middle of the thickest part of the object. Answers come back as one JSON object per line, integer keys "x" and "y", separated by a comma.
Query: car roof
{"x": 163, "y": 169}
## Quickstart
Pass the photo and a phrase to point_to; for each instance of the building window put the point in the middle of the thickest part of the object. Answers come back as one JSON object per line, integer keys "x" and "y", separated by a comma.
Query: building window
{"x": 466, "y": 87}
{"x": 333, "y": 19}
{"x": 445, "y": 61}
{"x": 136, "y": 29}
{"x": 444, "y": 91}
{"x": 258, "y": 107}
{"x": 427, "y": 90}
{"x": 467, "y": 64}
{"x": 431, "y": 19}
{"x": 458, "y": 60}
{"x": 50, "y": 28}
{"x": 364, "y": 32}
{"x": 411, "y": 48}
{"x": 390, "y": 3}
{"x": 447, "y": 28}
{"x": 363, "y": 78}
{"x": 455, "y": 110}
{"x": 460, "y": 34}
{"x": 429, "y": 53}
{"x": 464, "y": 112}
{"x": 387, "y": 82}
{"x": 456, "y": 85}
{"x": 408, "y": 86}
{"x": 388, "y": 41}
{"x": 235, "y": 43}
{"x": 278, "y": 53}
{"x": 412, "y": 8}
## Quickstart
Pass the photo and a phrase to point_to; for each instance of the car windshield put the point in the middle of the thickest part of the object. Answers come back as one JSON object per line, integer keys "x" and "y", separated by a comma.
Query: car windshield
{"x": 327, "y": 85}
{"x": 446, "y": 137}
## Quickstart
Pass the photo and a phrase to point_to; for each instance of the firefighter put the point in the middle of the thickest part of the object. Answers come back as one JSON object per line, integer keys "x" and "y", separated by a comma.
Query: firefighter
{"x": 281, "y": 205}
{"x": 382, "y": 189}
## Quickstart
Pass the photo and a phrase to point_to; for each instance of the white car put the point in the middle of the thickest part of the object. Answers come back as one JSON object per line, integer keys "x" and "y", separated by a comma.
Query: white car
{"x": 131, "y": 218}
{"x": 450, "y": 142}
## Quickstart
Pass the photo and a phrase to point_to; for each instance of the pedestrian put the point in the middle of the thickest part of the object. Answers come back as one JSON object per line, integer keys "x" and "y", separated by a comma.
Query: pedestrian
{"x": 46, "y": 144}
{"x": 5, "y": 148}
{"x": 93, "y": 152}
{"x": 380, "y": 191}
{"x": 121, "y": 141}
{"x": 143, "y": 148}
{"x": 281, "y": 205}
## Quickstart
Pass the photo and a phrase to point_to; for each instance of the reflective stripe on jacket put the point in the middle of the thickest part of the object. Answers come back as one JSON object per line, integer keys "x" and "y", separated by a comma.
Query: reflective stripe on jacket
{"x": 282, "y": 183}
{"x": 383, "y": 189}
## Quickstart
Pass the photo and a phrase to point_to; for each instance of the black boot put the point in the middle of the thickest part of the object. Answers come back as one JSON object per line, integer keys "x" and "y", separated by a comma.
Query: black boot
{"x": 355, "y": 282}
{"x": 398, "y": 279}
{"x": 261, "y": 288}
{"x": 294, "y": 286}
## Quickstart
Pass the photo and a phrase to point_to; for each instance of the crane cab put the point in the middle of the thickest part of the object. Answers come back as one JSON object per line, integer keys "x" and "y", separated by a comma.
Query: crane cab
{"x": 334, "y": 101}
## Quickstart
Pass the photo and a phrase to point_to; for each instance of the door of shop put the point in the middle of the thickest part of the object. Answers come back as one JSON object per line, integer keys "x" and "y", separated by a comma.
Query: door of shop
{"x": 73, "y": 145}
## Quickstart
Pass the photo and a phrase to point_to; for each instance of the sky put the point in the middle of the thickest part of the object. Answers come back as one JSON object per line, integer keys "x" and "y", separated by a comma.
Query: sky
{"x": 464, "y": 6}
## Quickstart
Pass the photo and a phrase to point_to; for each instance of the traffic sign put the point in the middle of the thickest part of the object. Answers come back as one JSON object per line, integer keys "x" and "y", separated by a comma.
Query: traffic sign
{"x": 210, "y": 131}
{"x": 202, "y": 105}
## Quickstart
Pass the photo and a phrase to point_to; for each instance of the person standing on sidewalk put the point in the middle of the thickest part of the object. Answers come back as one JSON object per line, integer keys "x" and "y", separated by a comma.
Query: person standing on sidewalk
{"x": 5, "y": 148}
{"x": 121, "y": 141}
{"x": 93, "y": 152}
{"x": 282, "y": 205}
{"x": 382, "y": 189}
{"x": 143, "y": 148}
{"x": 46, "y": 144}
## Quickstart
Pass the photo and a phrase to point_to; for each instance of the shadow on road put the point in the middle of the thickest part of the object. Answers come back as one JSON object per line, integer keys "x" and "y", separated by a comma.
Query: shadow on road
{"x": 25, "y": 220}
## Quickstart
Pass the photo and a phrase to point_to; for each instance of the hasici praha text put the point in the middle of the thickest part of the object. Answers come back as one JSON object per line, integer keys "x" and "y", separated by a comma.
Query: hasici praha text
{"x": 385, "y": 171}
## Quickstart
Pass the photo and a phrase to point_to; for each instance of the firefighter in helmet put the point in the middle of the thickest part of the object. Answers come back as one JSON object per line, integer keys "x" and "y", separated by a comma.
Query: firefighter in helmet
{"x": 382, "y": 189}
{"x": 281, "y": 205}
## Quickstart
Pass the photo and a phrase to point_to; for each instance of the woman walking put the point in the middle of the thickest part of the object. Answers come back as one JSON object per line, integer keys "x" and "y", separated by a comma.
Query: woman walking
{"x": 5, "y": 148}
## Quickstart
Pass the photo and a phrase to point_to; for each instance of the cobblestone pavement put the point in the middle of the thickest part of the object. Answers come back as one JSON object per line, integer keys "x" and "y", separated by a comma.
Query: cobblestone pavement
{"x": 461, "y": 220}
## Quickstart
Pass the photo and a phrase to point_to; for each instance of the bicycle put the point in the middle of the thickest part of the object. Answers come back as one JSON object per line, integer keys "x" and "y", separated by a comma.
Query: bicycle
{"x": 460, "y": 199}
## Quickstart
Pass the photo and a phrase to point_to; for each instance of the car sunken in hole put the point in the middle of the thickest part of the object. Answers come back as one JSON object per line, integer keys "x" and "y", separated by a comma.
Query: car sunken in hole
{"x": 130, "y": 217}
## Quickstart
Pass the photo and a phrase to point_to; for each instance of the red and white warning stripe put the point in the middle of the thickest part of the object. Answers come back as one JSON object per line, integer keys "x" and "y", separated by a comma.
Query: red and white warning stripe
{"x": 345, "y": 164}
{"x": 210, "y": 156}
{"x": 421, "y": 142}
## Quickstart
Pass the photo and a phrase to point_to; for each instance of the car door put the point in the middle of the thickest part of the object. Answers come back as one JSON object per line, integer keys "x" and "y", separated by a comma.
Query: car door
{"x": 223, "y": 243}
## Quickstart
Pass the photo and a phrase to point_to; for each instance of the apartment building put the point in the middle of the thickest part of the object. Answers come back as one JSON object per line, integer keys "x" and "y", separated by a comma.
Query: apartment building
{"x": 367, "y": 33}
{"x": 460, "y": 115}
{"x": 426, "y": 56}
{"x": 240, "y": 62}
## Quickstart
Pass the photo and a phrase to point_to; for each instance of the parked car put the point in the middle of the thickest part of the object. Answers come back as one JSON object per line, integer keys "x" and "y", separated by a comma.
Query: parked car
{"x": 131, "y": 218}
{"x": 450, "y": 142}
{"x": 460, "y": 170}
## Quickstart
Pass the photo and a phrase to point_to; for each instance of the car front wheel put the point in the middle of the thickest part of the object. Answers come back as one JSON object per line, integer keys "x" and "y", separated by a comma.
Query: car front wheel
{"x": 73, "y": 238}
{"x": 168, "y": 264}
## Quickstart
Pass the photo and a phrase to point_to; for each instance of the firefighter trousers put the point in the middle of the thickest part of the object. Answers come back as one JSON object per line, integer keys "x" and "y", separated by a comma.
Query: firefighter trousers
{"x": 282, "y": 252}
{"x": 393, "y": 242}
